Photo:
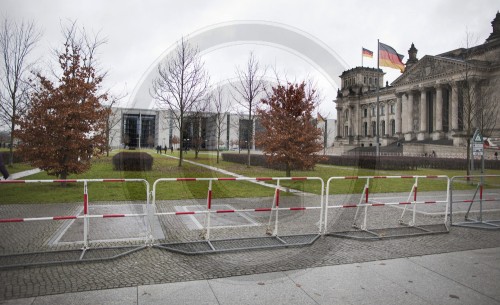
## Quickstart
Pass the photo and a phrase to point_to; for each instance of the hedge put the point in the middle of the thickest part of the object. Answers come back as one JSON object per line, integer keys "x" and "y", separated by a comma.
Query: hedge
{"x": 255, "y": 160}
{"x": 371, "y": 162}
{"x": 5, "y": 157}
{"x": 132, "y": 161}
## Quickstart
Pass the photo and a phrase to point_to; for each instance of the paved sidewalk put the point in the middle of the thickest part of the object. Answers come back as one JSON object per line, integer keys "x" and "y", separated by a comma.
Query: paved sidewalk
{"x": 225, "y": 172}
{"x": 467, "y": 277}
{"x": 24, "y": 174}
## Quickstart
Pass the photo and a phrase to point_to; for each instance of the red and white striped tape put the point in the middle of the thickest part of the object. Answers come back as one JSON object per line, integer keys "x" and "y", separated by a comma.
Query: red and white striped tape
{"x": 4, "y": 220}
{"x": 385, "y": 177}
{"x": 354, "y": 205}
{"x": 237, "y": 211}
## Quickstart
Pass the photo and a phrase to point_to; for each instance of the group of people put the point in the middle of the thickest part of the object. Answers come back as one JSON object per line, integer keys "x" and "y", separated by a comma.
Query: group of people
{"x": 159, "y": 149}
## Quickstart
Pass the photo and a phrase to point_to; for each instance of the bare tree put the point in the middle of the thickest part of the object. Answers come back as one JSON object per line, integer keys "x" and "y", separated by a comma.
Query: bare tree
{"x": 17, "y": 41}
{"x": 114, "y": 118}
{"x": 220, "y": 109}
{"x": 480, "y": 107}
{"x": 199, "y": 134}
{"x": 181, "y": 83}
{"x": 250, "y": 84}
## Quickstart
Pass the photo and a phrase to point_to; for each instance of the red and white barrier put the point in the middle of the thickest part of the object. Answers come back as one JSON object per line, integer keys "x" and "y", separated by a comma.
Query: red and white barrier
{"x": 365, "y": 197}
{"x": 479, "y": 219}
{"x": 209, "y": 211}
{"x": 85, "y": 202}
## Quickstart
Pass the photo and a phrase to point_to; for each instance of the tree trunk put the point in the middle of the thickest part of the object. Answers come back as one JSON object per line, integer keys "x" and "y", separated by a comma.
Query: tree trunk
{"x": 468, "y": 157}
{"x": 63, "y": 176}
{"x": 107, "y": 137}
{"x": 11, "y": 145}
{"x": 182, "y": 141}
{"x": 218, "y": 154}
{"x": 288, "y": 170}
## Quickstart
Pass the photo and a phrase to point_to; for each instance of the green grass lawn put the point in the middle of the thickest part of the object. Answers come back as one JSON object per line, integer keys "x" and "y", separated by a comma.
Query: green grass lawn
{"x": 165, "y": 167}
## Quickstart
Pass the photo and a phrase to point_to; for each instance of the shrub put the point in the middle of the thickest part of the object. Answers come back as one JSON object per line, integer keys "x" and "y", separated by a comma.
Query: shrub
{"x": 255, "y": 160}
{"x": 371, "y": 162}
{"x": 132, "y": 161}
{"x": 5, "y": 157}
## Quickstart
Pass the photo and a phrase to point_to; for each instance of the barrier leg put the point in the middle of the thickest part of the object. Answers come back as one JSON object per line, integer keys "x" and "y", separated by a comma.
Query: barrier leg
{"x": 466, "y": 217}
{"x": 269, "y": 231}
{"x": 277, "y": 199}
{"x": 364, "y": 197}
{"x": 209, "y": 207}
{"x": 85, "y": 219}
{"x": 413, "y": 192}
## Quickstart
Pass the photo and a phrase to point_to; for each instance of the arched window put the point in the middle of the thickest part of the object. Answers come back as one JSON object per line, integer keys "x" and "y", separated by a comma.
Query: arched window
{"x": 382, "y": 127}
{"x": 374, "y": 128}
{"x": 365, "y": 128}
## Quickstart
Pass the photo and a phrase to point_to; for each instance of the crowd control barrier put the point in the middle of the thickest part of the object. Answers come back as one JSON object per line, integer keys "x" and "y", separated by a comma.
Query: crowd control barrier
{"x": 218, "y": 224}
{"x": 391, "y": 214}
{"x": 83, "y": 228}
{"x": 475, "y": 201}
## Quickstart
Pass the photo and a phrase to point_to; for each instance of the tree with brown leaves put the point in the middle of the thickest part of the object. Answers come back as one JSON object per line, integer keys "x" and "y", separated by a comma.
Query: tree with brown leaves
{"x": 65, "y": 125}
{"x": 290, "y": 138}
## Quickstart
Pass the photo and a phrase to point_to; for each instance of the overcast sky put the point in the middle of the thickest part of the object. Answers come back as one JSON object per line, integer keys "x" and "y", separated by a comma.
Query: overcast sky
{"x": 138, "y": 32}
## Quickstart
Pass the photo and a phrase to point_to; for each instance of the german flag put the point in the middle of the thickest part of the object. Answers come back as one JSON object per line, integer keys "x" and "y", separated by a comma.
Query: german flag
{"x": 367, "y": 53}
{"x": 388, "y": 57}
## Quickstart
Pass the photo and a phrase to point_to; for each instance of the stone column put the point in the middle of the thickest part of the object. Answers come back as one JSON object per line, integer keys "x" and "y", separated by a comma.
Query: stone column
{"x": 398, "y": 114}
{"x": 439, "y": 113}
{"x": 369, "y": 109}
{"x": 423, "y": 115}
{"x": 404, "y": 113}
{"x": 409, "y": 122}
{"x": 349, "y": 122}
{"x": 454, "y": 106}
{"x": 339, "y": 121}
{"x": 387, "y": 123}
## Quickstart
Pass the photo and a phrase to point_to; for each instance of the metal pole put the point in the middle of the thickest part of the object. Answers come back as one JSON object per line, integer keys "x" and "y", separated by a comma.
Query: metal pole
{"x": 378, "y": 100}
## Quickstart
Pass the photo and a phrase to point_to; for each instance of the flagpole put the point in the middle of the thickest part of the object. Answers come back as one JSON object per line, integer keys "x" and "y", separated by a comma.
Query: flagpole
{"x": 362, "y": 56}
{"x": 378, "y": 100}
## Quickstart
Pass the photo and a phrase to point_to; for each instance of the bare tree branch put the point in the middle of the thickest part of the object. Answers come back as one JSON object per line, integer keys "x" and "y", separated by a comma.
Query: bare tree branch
{"x": 248, "y": 89}
{"x": 17, "y": 41}
{"x": 181, "y": 84}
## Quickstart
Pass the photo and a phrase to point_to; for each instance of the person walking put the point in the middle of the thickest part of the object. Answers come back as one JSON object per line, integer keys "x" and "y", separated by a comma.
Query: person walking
{"x": 3, "y": 169}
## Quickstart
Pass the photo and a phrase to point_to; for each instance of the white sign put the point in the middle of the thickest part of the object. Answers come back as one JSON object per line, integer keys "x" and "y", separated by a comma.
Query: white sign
{"x": 477, "y": 138}
{"x": 477, "y": 149}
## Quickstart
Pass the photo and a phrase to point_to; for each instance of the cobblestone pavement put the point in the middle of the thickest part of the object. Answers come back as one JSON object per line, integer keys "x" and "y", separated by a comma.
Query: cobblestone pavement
{"x": 153, "y": 266}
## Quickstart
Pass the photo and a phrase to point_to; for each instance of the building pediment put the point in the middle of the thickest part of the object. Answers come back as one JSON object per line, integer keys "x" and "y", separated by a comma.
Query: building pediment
{"x": 428, "y": 68}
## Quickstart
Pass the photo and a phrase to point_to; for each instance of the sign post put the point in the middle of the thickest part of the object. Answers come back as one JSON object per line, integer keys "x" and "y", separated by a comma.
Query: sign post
{"x": 478, "y": 148}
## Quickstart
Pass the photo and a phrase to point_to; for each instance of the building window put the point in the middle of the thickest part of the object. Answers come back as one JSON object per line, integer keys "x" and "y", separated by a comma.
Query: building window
{"x": 346, "y": 114}
{"x": 374, "y": 128}
{"x": 373, "y": 111}
{"x": 364, "y": 80}
{"x": 365, "y": 128}
{"x": 392, "y": 109}
{"x": 382, "y": 110}
{"x": 346, "y": 131}
{"x": 393, "y": 127}
{"x": 365, "y": 112}
{"x": 382, "y": 127}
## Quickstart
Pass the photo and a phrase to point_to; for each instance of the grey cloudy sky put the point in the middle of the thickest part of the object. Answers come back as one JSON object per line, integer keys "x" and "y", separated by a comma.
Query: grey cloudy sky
{"x": 138, "y": 32}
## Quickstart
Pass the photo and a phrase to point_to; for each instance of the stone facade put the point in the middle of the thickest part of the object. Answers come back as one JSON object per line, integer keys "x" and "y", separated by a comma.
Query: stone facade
{"x": 441, "y": 98}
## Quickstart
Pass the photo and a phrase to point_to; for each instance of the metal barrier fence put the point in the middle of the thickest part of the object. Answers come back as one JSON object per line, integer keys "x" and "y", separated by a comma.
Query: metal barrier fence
{"x": 429, "y": 222}
{"x": 74, "y": 230}
{"x": 295, "y": 213}
{"x": 195, "y": 226}
{"x": 477, "y": 200}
